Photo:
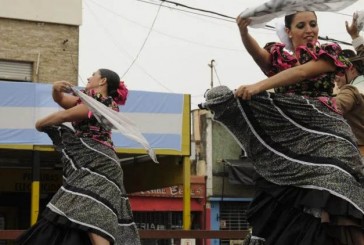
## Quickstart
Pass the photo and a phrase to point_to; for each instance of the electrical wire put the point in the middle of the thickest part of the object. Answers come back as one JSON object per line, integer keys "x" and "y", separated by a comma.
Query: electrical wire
{"x": 181, "y": 10}
{"x": 232, "y": 19}
{"x": 229, "y": 17}
{"x": 145, "y": 41}
{"x": 165, "y": 34}
{"x": 76, "y": 70}
{"x": 124, "y": 51}
{"x": 197, "y": 9}
{"x": 269, "y": 27}
{"x": 224, "y": 18}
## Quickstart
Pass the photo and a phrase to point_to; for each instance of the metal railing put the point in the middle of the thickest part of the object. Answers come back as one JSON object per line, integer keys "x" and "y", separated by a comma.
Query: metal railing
{"x": 161, "y": 234}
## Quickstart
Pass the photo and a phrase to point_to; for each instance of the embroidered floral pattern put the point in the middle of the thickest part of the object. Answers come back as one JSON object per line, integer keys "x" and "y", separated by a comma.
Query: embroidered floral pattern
{"x": 321, "y": 85}
{"x": 91, "y": 128}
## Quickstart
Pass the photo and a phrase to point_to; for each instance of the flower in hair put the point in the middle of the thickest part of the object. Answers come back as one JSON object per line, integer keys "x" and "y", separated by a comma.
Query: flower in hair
{"x": 122, "y": 92}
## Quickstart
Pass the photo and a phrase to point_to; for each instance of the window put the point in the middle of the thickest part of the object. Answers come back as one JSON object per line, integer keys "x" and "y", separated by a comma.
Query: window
{"x": 233, "y": 217}
{"x": 16, "y": 70}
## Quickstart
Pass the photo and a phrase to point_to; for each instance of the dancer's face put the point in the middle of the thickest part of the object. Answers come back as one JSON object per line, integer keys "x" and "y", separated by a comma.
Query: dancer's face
{"x": 304, "y": 29}
{"x": 95, "y": 81}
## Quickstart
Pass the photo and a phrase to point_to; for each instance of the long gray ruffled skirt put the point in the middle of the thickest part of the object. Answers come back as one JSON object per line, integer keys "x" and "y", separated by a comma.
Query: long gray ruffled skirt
{"x": 307, "y": 158}
{"x": 91, "y": 199}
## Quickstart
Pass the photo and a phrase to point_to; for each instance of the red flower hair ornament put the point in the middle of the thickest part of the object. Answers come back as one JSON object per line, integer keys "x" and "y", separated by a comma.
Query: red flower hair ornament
{"x": 122, "y": 94}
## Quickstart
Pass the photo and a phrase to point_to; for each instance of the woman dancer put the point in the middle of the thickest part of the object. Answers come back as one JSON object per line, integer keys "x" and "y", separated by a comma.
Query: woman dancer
{"x": 91, "y": 207}
{"x": 310, "y": 186}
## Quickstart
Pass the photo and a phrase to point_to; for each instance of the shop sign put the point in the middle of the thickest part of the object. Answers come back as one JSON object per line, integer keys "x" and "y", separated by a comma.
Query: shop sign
{"x": 150, "y": 226}
{"x": 197, "y": 191}
{"x": 20, "y": 180}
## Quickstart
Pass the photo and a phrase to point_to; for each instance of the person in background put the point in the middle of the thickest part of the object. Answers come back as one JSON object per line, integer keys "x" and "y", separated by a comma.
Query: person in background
{"x": 92, "y": 206}
{"x": 310, "y": 185}
{"x": 348, "y": 98}
{"x": 358, "y": 61}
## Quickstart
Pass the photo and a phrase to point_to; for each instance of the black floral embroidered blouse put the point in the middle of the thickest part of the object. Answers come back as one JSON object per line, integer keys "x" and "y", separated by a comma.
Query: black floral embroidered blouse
{"x": 321, "y": 85}
{"x": 91, "y": 128}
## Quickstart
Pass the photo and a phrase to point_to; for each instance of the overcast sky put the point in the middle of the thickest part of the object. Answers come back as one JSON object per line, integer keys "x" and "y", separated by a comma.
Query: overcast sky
{"x": 169, "y": 48}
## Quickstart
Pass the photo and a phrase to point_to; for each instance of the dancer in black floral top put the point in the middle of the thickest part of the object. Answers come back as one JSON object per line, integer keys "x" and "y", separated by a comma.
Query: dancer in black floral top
{"x": 310, "y": 185}
{"x": 91, "y": 207}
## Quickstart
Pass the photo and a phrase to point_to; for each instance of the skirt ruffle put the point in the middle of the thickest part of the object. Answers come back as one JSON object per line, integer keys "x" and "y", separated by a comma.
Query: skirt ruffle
{"x": 92, "y": 198}
{"x": 291, "y": 215}
{"x": 311, "y": 189}
{"x": 54, "y": 233}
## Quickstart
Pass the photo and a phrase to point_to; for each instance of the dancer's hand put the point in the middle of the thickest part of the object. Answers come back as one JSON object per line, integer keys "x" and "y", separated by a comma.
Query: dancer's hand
{"x": 247, "y": 91}
{"x": 352, "y": 29}
{"x": 62, "y": 86}
{"x": 243, "y": 24}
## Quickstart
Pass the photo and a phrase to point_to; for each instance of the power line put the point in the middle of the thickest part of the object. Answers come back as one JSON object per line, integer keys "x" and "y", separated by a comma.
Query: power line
{"x": 221, "y": 17}
{"x": 229, "y": 17}
{"x": 333, "y": 40}
{"x": 319, "y": 37}
{"x": 181, "y": 10}
{"x": 124, "y": 51}
{"x": 165, "y": 34}
{"x": 145, "y": 41}
{"x": 197, "y": 9}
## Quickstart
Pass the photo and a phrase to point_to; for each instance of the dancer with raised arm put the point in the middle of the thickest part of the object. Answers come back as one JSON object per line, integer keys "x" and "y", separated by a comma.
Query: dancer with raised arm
{"x": 310, "y": 185}
{"x": 91, "y": 207}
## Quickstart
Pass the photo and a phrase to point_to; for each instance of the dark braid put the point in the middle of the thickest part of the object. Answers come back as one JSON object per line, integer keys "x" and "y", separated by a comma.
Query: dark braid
{"x": 113, "y": 81}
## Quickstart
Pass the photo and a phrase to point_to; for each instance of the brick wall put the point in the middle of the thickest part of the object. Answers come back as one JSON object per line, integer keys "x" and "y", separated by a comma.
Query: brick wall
{"x": 53, "y": 46}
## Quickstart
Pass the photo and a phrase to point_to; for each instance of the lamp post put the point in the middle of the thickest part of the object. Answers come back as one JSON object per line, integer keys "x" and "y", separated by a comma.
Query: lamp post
{"x": 211, "y": 65}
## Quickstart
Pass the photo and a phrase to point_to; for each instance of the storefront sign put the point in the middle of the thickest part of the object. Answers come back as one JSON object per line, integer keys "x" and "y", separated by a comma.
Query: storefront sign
{"x": 20, "y": 180}
{"x": 197, "y": 191}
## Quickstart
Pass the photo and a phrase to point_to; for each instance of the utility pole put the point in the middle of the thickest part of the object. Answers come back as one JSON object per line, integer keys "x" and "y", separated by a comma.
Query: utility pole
{"x": 211, "y": 65}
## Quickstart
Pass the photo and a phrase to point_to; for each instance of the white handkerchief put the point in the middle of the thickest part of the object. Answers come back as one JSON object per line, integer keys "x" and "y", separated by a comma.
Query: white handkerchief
{"x": 113, "y": 119}
{"x": 278, "y": 8}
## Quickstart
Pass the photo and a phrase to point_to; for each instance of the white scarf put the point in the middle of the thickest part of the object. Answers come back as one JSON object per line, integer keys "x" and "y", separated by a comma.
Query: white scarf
{"x": 278, "y": 8}
{"x": 116, "y": 120}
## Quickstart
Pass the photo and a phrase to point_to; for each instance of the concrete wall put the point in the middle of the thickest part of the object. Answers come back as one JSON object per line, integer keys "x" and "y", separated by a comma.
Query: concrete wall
{"x": 213, "y": 144}
{"x": 52, "y": 48}
{"x": 225, "y": 147}
{"x": 53, "y": 11}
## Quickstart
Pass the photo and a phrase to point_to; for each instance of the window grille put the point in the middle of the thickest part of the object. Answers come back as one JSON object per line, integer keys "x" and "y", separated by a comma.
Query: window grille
{"x": 233, "y": 216}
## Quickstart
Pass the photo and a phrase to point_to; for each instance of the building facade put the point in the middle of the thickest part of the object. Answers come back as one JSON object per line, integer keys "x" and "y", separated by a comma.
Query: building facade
{"x": 39, "y": 43}
{"x": 40, "y": 40}
{"x": 215, "y": 154}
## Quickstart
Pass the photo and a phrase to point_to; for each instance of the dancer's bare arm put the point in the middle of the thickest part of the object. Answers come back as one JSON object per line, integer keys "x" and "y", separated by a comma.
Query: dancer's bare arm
{"x": 290, "y": 76}
{"x": 59, "y": 90}
{"x": 259, "y": 54}
{"x": 76, "y": 113}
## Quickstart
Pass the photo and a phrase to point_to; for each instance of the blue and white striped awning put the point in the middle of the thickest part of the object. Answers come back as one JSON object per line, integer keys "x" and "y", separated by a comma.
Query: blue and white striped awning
{"x": 163, "y": 118}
